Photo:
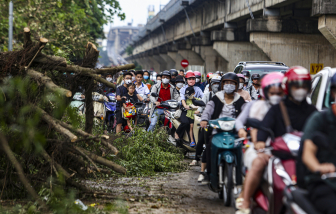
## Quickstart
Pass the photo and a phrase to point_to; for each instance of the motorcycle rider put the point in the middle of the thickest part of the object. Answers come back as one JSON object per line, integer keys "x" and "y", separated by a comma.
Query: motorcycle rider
{"x": 146, "y": 79}
{"x": 173, "y": 74}
{"x": 121, "y": 94}
{"x": 255, "y": 87}
{"x": 247, "y": 78}
{"x": 179, "y": 83}
{"x": 181, "y": 73}
{"x": 226, "y": 103}
{"x": 205, "y": 83}
{"x": 166, "y": 91}
{"x": 158, "y": 78}
{"x": 322, "y": 193}
{"x": 296, "y": 85}
{"x": 244, "y": 94}
{"x": 198, "y": 76}
{"x": 215, "y": 85}
{"x": 141, "y": 88}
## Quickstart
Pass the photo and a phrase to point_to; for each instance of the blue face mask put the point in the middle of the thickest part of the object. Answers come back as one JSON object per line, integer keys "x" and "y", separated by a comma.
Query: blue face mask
{"x": 146, "y": 77}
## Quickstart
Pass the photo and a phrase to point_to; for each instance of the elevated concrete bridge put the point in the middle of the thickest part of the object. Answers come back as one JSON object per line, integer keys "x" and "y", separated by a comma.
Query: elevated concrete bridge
{"x": 217, "y": 34}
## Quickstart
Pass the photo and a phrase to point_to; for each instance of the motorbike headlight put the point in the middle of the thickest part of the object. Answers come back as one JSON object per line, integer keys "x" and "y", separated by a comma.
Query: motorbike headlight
{"x": 292, "y": 142}
{"x": 226, "y": 125}
{"x": 173, "y": 104}
{"x": 112, "y": 98}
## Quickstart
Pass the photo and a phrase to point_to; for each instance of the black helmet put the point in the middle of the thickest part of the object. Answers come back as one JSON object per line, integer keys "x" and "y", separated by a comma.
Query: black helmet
{"x": 179, "y": 78}
{"x": 255, "y": 76}
{"x": 246, "y": 73}
{"x": 166, "y": 73}
{"x": 173, "y": 72}
{"x": 232, "y": 77}
{"x": 159, "y": 75}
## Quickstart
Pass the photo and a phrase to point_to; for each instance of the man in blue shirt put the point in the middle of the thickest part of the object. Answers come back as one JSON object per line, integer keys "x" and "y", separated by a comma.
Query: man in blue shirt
{"x": 121, "y": 93}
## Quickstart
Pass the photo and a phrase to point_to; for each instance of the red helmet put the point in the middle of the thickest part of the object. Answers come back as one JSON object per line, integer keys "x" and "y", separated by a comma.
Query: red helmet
{"x": 208, "y": 75}
{"x": 296, "y": 75}
{"x": 189, "y": 75}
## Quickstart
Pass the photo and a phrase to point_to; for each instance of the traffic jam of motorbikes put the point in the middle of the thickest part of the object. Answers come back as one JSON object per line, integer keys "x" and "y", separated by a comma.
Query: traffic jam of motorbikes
{"x": 263, "y": 134}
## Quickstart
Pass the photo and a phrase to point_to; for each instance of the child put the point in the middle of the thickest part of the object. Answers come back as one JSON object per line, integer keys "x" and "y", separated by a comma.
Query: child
{"x": 132, "y": 98}
{"x": 187, "y": 117}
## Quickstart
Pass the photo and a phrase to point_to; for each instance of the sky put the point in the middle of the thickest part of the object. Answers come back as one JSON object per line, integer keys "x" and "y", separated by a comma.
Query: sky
{"x": 136, "y": 10}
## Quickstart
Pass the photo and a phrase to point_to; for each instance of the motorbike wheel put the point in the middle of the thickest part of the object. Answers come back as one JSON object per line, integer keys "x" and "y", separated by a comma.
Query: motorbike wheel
{"x": 228, "y": 184}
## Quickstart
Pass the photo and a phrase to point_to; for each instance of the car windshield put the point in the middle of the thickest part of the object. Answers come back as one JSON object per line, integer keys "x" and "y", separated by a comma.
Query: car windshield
{"x": 261, "y": 71}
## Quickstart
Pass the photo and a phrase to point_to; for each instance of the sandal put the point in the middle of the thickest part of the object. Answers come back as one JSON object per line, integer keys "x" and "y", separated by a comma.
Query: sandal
{"x": 193, "y": 163}
{"x": 239, "y": 203}
{"x": 192, "y": 144}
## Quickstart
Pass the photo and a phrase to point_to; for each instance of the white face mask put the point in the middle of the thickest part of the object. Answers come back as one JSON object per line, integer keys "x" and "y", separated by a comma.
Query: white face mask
{"x": 128, "y": 81}
{"x": 158, "y": 81}
{"x": 109, "y": 79}
{"x": 198, "y": 80}
{"x": 241, "y": 85}
{"x": 274, "y": 99}
{"x": 165, "y": 81}
{"x": 229, "y": 88}
{"x": 215, "y": 88}
{"x": 179, "y": 85}
{"x": 133, "y": 78}
{"x": 246, "y": 79}
{"x": 299, "y": 94}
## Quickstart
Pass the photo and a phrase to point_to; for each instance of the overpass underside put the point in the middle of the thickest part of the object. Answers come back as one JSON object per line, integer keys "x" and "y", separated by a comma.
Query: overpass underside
{"x": 221, "y": 33}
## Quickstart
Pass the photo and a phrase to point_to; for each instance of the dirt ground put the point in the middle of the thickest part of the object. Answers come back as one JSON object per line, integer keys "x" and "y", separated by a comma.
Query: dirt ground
{"x": 169, "y": 193}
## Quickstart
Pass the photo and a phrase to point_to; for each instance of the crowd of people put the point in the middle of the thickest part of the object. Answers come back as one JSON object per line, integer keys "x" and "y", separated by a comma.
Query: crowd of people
{"x": 243, "y": 96}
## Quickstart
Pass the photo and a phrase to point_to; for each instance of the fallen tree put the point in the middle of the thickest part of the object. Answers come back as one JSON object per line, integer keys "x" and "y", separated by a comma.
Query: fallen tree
{"x": 32, "y": 106}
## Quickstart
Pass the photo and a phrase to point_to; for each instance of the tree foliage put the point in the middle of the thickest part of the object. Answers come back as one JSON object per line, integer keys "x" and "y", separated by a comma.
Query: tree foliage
{"x": 68, "y": 24}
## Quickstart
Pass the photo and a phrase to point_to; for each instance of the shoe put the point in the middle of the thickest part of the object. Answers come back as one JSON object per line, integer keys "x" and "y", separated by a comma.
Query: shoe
{"x": 193, "y": 163}
{"x": 243, "y": 211}
{"x": 200, "y": 178}
{"x": 239, "y": 203}
{"x": 192, "y": 144}
{"x": 206, "y": 178}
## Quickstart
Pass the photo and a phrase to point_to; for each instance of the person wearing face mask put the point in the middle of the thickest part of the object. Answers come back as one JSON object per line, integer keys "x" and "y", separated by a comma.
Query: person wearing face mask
{"x": 255, "y": 87}
{"x": 226, "y": 103}
{"x": 146, "y": 80}
{"x": 179, "y": 82}
{"x": 121, "y": 93}
{"x": 133, "y": 75}
{"x": 247, "y": 76}
{"x": 166, "y": 91}
{"x": 198, "y": 76}
{"x": 214, "y": 88}
{"x": 296, "y": 85}
{"x": 158, "y": 78}
{"x": 244, "y": 94}
{"x": 314, "y": 157}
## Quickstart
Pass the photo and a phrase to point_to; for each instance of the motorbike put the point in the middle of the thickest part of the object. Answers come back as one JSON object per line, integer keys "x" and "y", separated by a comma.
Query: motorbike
{"x": 143, "y": 113}
{"x": 226, "y": 161}
{"x": 78, "y": 102}
{"x": 296, "y": 199}
{"x": 110, "y": 108}
{"x": 280, "y": 172}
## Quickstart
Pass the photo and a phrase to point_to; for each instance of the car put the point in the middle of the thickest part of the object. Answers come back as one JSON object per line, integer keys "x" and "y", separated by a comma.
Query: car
{"x": 320, "y": 95}
{"x": 260, "y": 67}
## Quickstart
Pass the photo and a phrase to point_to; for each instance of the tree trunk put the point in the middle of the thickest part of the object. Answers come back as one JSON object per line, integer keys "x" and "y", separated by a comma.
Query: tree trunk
{"x": 89, "y": 114}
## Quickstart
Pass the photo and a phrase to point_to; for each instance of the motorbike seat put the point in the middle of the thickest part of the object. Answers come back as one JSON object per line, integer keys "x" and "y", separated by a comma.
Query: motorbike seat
{"x": 300, "y": 197}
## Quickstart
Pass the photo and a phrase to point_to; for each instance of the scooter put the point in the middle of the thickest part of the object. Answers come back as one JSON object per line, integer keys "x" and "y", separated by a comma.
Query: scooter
{"x": 280, "y": 172}
{"x": 110, "y": 108}
{"x": 143, "y": 113}
{"x": 226, "y": 161}
{"x": 174, "y": 123}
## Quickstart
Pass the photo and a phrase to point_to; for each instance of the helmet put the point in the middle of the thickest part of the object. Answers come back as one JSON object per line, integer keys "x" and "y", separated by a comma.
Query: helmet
{"x": 189, "y": 71}
{"x": 296, "y": 75}
{"x": 189, "y": 75}
{"x": 198, "y": 74}
{"x": 165, "y": 73}
{"x": 232, "y": 77}
{"x": 208, "y": 75}
{"x": 159, "y": 75}
{"x": 217, "y": 72}
{"x": 173, "y": 72}
{"x": 215, "y": 79}
{"x": 179, "y": 78}
{"x": 333, "y": 82}
{"x": 241, "y": 76}
{"x": 269, "y": 80}
{"x": 255, "y": 76}
{"x": 246, "y": 73}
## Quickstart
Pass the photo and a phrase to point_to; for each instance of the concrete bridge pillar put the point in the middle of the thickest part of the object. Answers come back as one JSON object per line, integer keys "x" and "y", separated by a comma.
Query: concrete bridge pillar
{"x": 212, "y": 60}
{"x": 192, "y": 57}
{"x": 161, "y": 61}
{"x": 143, "y": 62}
{"x": 170, "y": 63}
{"x": 234, "y": 52}
{"x": 152, "y": 64}
{"x": 177, "y": 58}
{"x": 327, "y": 26}
{"x": 295, "y": 49}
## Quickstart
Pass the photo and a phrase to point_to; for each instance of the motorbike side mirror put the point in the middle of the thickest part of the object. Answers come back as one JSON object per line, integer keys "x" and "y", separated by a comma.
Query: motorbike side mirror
{"x": 320, "y": 140}
{"x": 198, "y": 102}
{"x": 252, "y": 122}
{"x": 154, "y": 94}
